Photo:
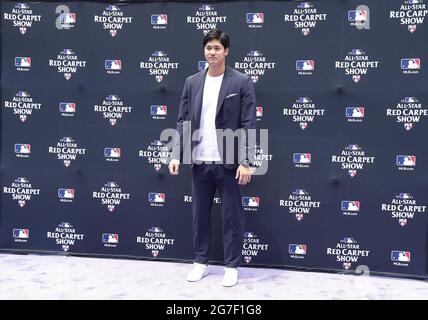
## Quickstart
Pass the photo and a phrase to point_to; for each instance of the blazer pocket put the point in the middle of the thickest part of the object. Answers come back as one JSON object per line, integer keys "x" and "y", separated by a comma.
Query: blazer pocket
{"x": 231, "y": 95}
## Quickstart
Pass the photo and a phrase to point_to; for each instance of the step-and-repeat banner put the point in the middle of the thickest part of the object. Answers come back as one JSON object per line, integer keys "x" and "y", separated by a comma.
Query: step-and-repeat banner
{"x": 87, "y": 87}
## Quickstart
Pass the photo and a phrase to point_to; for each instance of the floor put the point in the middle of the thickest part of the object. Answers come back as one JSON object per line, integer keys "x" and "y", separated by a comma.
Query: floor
{"x": 71, "y": 278}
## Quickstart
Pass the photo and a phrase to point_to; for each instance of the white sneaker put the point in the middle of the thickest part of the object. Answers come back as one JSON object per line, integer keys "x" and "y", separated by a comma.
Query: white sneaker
{"x": 198, "y": 272}
{"x": 230, "y": 278}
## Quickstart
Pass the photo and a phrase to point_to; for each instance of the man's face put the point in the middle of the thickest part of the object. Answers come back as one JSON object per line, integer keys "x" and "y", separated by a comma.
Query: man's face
{"x": 215, "y": 54}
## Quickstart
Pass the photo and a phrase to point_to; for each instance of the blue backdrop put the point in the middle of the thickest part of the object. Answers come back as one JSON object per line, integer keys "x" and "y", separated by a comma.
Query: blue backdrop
{"x": 87, "y": 87}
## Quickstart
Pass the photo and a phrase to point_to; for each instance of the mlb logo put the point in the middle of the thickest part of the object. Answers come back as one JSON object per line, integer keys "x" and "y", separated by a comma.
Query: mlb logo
{"x": 357, "y": 52}
{"x": 113, "y": 64}
{"x": 22, "y": 6}
{"x": 303, "y": 100}
{"x": 297, "y": 249}
{"x": 250, "y": 201}
{"x": 206, "y": 7}
{"x": 302, "y": 158}
{"x": 22, "y": 148}
{"x": 254, "y": 53}
{"x": 112, "y": 98}
{"x": 112, "y": 7}
{"x": 249, "y": 235}
{"x": 202, "y": 65}
{"x": 411, "y": 64}
{"x": 355, "y": 112}
{"x": 156, "y": 197}
{"x": 112, "y": 152}
{"x": 65, "y": 225}
{"x": 67, "y": 107}
{"x": 21, "y": 233}
{"x": 155, "y": 229}
{"x": 158, "y": 110}
{"x": 400, "y": 256}
{"x": 158, "y": 54}
{"x": 408, "y": 161}
{"x": 413, "y": 1}
{"x": 23, "y": 62}
{"x": 259, "y": 112}
{"x": 304, "y": 5}
{"x": 301, "y": 192}
{"x": 305, "y": 65}
{"x": 405, "y": 196}
{"x": 353, "y": 147}
{"x": 67, "y": 51}
{"x": 67, "y": 139}
{"x": 351, "y": 206}
{"x": 348, "y": 240}
{"x": 159, "y": 19}
{"x": 22, "y": 94}
{"x": 255, "y": 17}
{"x": 67, "y": 18}
{"x": 357, "y": 15}
{"x": 110, "y": 238}
{"x": 156, "y": 143}
{"x": 111, "y": 184}
{"x": 410, "y": 99}
{"x": 66, "y": 193}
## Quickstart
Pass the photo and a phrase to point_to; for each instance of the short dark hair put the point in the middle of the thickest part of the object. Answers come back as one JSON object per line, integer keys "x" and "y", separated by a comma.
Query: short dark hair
{"x": 219, "y": 35}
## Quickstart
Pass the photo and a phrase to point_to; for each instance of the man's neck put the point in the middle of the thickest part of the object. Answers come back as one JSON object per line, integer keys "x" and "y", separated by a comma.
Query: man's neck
{"x": 215, "y": 72}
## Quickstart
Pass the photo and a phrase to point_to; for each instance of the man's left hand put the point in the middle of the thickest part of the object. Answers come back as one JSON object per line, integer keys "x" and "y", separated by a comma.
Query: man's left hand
{"x": 243, "y": 175}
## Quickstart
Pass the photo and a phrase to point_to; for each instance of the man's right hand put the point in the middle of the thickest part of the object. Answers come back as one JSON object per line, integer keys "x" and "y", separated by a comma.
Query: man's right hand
{"x": 173, "y": 166}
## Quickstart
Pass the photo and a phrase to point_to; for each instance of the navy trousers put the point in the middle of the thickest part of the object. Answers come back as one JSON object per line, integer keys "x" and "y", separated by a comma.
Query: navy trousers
{"x": 206, "y": 179}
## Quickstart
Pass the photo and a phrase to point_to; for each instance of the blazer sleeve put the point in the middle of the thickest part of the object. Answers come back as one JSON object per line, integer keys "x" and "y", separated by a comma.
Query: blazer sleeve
{"x": 248, "y": 122}
{"x": 183, "y": 116}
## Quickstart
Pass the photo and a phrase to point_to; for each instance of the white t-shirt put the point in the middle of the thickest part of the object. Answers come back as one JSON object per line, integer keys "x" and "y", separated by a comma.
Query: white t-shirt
{"x": 207, "y": 149}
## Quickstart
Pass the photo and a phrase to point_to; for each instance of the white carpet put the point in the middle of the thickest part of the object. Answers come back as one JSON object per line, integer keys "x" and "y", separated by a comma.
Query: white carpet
{"x": 62, "y": 277}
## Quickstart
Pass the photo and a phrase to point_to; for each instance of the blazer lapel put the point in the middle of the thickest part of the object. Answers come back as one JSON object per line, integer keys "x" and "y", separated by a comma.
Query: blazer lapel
{"x": 198, "y": 98}
{"x": 223, "y": 89}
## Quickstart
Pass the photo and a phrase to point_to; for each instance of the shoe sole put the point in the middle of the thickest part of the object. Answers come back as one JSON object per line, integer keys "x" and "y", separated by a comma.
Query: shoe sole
{"x": 205, "y": 274}
{"x": 229, "y": 286}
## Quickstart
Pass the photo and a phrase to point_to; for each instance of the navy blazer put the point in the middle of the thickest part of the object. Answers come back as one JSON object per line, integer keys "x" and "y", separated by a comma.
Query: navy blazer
{"x": 236, "y": 109}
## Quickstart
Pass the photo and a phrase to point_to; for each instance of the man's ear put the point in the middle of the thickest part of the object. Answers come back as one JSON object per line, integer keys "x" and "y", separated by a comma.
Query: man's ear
{"x": 226, "y": 51}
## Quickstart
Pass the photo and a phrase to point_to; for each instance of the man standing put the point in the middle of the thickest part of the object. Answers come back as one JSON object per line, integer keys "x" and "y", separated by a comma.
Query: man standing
{"x": 219, "y": 105}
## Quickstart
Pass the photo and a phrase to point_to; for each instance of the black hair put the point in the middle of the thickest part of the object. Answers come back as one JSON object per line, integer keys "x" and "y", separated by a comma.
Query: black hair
{"x": 219, "y": 35}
